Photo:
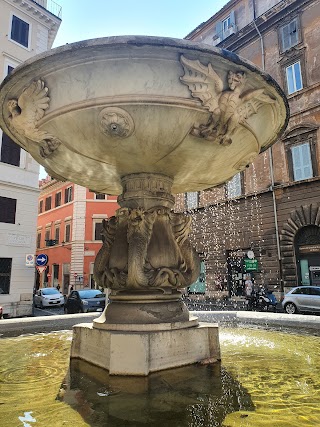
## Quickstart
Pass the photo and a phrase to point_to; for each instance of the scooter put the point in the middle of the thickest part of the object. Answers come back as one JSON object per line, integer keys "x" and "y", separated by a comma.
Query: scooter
{"x": 261, "y": 300}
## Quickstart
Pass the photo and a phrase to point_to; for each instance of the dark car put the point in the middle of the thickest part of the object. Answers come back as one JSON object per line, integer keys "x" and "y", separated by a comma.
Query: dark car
{"x": 302, "y": 299}
{"x": 85, "y": 300}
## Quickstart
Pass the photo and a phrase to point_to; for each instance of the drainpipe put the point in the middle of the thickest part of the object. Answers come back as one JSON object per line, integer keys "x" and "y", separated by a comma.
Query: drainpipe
{"x": 275, "y": 213}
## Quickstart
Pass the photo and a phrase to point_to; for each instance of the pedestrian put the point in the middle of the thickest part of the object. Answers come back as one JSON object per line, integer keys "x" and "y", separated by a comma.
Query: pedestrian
{"x": 248, "y": 287}
{"x": 58, "y": 287}
{"x": 71, "y": 288}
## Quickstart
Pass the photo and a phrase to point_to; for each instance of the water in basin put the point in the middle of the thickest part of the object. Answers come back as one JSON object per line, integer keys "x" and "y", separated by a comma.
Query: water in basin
{"x": 266, "y": 378}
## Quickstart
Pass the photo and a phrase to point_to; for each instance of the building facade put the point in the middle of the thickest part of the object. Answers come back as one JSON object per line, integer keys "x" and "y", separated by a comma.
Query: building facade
{"x": 69, "y": 233}
{"x": 265, "y": 222}
{"x": 26, "y": 28}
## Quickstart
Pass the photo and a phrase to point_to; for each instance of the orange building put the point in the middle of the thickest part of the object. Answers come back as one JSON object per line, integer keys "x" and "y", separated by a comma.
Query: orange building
{"x": 69, "y": 232}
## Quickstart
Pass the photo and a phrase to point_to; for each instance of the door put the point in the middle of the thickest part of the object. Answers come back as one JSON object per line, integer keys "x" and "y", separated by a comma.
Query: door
{"x": 304, "y": 270}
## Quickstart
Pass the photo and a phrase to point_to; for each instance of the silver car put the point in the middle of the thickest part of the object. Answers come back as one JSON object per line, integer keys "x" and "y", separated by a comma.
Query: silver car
{"x": 302, "y": 299}
{"x": 48, "y": 297}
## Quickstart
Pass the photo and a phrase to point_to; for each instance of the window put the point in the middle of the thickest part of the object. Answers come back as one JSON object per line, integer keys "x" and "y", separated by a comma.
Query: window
{"x": 294, "y": 77}
{"x": 234, "y": 187}
{"x": 301, "y": 162}
{"x": 67, "y": 233}
{"x": 289, "y": 35}
{"x": 100, "y": 196}
{"x": 10, "y": 151}
{"x": 20, "y": 31}
{"x": 57, "y": 235}
{"x": 8, "y": 210}
{"x": 97, "y": 231}
{"x": 48, "y": 203}
{"x": 226, "y": 24}
{"x": 5, "y": 275}
{"x": 68, "y": 195}
{"x": 58, "y": 199}
{"x": 301, "y": 149}
{"x": 47, "y": 235}
{"x": 226, "y": 27}
{"x": 40, "y": 206}
{"x": 192, "y": 200}
{"x": 39, "y": 240}
{"x": 10, "y": 69}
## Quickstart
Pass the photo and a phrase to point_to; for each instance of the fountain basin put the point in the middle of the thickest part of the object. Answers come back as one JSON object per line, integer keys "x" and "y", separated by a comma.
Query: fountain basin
{"x": 107, "y": 108}
{"x": 266, "y": 378}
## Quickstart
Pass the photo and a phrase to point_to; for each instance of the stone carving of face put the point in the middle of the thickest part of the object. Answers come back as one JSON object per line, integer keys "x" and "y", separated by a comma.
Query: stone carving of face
{"x": 236, "y": 79}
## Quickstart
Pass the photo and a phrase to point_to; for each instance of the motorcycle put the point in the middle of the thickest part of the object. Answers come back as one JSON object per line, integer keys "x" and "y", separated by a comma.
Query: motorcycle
{"x": 262, "y": 300}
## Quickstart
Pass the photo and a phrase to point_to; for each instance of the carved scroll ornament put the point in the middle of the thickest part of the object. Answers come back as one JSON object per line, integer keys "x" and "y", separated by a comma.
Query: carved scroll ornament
{"x": 228, "y": 108}
{"x": 146, "y": 249}
{"x": 25, "y": 113}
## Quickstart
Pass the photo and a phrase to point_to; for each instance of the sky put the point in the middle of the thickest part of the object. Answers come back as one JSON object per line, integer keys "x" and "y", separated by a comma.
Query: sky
{"x": 83, "y": 19}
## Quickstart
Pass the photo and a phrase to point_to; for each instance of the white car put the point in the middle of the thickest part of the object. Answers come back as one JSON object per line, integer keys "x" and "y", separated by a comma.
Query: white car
{"x": 302, "y": 299}
{"x": 47, "y": 297}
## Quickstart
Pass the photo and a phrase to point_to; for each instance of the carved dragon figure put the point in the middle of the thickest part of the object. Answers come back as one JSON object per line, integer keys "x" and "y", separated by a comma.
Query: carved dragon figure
{"x": 27, "y": 111}
{"x": 228, "y": 108}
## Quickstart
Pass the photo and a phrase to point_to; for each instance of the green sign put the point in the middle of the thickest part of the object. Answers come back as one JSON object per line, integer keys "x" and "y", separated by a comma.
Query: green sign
{"x": 251, "y": 264}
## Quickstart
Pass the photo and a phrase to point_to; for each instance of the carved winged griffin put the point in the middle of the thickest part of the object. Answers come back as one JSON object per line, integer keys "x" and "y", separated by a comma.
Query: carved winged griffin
{"x": 228, "y": 108}
{"x": 27, "y": 111}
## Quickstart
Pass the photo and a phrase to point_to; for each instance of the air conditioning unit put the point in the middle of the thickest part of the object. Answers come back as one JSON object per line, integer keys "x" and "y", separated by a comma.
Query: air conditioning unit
{"x": 216, "y": 41}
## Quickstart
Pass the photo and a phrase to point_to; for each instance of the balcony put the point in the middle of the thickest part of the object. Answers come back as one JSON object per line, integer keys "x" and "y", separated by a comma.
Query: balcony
{"x": 50, "y": 6}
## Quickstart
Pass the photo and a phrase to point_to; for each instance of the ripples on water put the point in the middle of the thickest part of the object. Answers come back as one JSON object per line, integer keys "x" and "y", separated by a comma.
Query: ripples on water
{"x": 266, "y": 379}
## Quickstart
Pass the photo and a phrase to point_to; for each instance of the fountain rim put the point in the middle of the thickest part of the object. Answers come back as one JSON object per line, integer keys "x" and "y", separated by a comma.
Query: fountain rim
{"x": 299, "y": 323}
{"x": 155, "y": 41}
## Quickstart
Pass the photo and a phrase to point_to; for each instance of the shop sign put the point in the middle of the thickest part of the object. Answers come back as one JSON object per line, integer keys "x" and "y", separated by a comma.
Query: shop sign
{"x": 251, "y": 264}
{"x": 309, "y": 248}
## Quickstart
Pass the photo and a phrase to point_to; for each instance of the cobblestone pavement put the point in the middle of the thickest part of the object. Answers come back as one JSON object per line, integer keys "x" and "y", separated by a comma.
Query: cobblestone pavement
{"x": 48, "y": 311}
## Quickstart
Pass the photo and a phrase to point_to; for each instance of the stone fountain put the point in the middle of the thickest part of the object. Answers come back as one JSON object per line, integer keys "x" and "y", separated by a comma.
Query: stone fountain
{"x": 143, "y": 118}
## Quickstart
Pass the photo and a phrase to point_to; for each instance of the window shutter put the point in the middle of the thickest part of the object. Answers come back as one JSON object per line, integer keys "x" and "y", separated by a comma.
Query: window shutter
{"x": 8, "y": 210}
{"x": 297, "y": 172}
{"x": 306, "y": 161}
{"x": 301, "y": 159}
{"x": 219, "y": 30}
{"x": 232, "y": 20}
{"x": 285, "y": 37}
{"x": 67, "y": 236}
{"x": 97, "y": 231}
{"x": 57, "y": 235}
{"x": 10, "y": 151}
{"x": 293, "y": 31}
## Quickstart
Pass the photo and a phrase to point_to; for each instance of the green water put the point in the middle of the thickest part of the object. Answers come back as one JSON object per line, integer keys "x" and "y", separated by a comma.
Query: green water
{"x": 266, "y": 378}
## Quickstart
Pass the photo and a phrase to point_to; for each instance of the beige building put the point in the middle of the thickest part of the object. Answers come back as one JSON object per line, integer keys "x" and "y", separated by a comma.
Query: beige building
{"x": 27, "y": 28}
{"x": 266, "y": 221}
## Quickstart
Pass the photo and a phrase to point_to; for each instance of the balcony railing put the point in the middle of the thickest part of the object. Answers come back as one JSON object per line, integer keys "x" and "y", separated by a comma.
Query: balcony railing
{"x": 51, "y": 6}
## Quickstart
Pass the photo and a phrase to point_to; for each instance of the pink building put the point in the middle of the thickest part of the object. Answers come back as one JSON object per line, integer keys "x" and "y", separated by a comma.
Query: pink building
{"x": 69, "y": 232}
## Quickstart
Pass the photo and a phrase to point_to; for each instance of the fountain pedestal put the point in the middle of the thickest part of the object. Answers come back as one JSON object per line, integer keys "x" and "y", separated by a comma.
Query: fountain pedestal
{"x": 142, "y": 352}
{"x": 145, "y": 258}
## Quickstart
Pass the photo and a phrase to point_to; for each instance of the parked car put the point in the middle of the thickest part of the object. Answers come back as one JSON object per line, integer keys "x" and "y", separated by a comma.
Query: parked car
{"x": 302, "y": 299}
{"x": 47, "y": 297}
{"x": 85, "y": 300}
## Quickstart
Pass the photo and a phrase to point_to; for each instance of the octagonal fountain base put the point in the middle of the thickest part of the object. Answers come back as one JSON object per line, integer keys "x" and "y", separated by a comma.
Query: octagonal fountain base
{"x": 129, "y": 350}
